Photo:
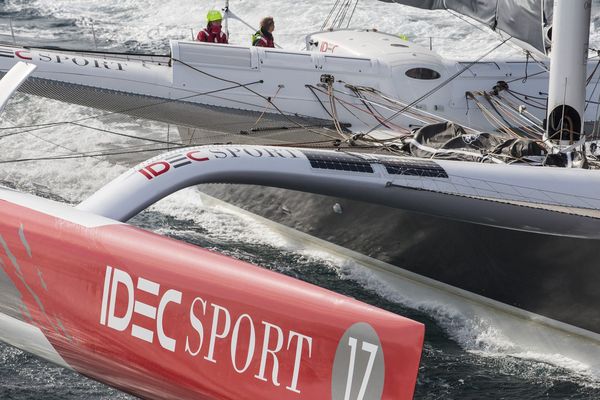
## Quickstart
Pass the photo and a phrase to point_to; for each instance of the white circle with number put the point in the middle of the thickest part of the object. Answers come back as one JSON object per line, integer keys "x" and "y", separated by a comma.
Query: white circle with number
{"x": 359, "y": 368}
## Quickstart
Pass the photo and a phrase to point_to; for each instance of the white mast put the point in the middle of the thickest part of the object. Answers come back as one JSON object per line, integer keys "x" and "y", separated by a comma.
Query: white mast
{"x": 226, "y": 18}
{"x": 568, "y": 69}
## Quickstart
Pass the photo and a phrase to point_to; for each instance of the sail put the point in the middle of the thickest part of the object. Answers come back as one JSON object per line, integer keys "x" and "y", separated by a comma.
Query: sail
{"x": 524, "y": 20}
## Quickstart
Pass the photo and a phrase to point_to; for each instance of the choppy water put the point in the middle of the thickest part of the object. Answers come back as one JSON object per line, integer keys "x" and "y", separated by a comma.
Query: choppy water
{"x": 460, "y": 360}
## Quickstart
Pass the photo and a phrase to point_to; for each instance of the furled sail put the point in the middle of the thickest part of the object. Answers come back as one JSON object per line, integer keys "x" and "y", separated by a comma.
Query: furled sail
{"x": 524, "y": 20}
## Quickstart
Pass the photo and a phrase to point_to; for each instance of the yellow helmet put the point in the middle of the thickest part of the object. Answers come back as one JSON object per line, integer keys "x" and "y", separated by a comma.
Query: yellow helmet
{"x": 214, "y": 15}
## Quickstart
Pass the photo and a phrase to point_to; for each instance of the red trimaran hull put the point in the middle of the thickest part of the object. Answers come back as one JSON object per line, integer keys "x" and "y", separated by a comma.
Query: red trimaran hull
{"x": 163, "y": 319}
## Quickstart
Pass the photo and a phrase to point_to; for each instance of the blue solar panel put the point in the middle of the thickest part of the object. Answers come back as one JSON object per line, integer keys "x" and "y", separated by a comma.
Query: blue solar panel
{"x": 411, "y": 167}
{"x": 338, "y": 161}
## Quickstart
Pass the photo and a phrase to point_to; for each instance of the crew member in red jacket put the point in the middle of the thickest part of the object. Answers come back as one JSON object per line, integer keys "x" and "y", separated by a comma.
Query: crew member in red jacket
{"x": 264, "y": 37}
{"x": 213, "y": 33}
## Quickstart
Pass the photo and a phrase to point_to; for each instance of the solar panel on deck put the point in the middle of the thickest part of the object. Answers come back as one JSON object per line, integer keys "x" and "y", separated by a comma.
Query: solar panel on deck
{"x": 338, "y": 161}
{"x": 423, "y": 168}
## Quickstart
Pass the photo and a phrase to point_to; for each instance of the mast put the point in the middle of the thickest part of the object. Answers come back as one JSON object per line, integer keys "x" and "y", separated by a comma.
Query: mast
{"x": 568, "y": 69}
{"x": 226, "y": 18}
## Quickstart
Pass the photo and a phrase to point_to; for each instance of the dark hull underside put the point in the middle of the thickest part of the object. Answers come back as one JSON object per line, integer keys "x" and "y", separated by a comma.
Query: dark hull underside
{"x": 555, "y": 277}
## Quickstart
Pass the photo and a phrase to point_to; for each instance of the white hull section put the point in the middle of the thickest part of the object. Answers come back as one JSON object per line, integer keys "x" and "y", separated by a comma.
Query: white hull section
{"x": 28, "y": 338}
{"x": 278, "y": 81}
{"x": 552, "y": 201}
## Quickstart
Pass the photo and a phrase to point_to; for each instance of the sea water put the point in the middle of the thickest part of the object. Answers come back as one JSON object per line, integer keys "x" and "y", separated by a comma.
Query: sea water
{"x": 462, "y": 359}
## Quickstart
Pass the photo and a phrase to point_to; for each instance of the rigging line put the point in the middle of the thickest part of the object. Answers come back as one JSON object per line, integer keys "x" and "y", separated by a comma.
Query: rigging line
{"x": 487, "y": 32}
{"x": 342, "y": 14}
{"x": 89, "y": 127}
{"x": 363, "y": 100}
{"x": 119, "y": 148}
{"x": 123, "y": 111}
{"x": 267, "y": 107}
{"x": 337, "y": 15}
{"x": 54, "y": 144}
{"x": 330, "y": 15}
{"x": 526, "y": 100}
{"x": 595, "y": 86}
{"x": 346, "y": 106}
{"x": 530, "y": 76}
{"x": 476, "y": 26}
{"x": 253, "y": 92}
{"x": 336, "y": 120}
{"x": 528, "y": 131}
{"x": 356, "y": 93}
{"x": 596, "y": 121}
{"x": 125, "y": 134}
{"x": 48, "y": 124}
{"x": 441, "y": 85}
{"x": 415, "y": 113}
{"x": 352, "y": 15}
{"x": 504, "y": 128}
{"x": 376, "y": 114}
{"x": 306, "y": 143}
{"x": 80, "y": 156}
{"x": 370, "y": 110}
{"x": 505, "y": 111}
{"x": 490, "y": 117}
{"x": 538, "y": 62}
{"x": 525, "y": 114}
{"x": 129, "y": 149}
{"x": 418, "y": 114}
{"x": 589, "y": 79}
{"x": 526, "y": 67}
{"x": 312, "y": 89}
{"x": 346, "y": 10}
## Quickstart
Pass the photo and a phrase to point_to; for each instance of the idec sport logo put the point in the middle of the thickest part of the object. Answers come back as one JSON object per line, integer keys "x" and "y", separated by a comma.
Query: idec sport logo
{"x": 244, "y": 335}
{"x": 55, "y": 58}
{"x": 179, "y": 160}
{"x": 116, "y": 277}
{"x": 176, "y": 161}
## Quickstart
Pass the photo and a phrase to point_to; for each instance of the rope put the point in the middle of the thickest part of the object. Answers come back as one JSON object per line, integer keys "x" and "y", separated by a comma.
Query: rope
{"x": 440, "y": 86}
{"x": 336, "y": 121}
{"x": 267, "y": 107}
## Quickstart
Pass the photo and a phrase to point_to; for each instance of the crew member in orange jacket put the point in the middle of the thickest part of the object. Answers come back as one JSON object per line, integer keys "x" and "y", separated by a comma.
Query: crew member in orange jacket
{"x": 213, "y": 33}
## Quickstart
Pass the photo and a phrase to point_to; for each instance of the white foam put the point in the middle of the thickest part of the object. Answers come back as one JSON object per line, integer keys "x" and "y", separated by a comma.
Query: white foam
{"x": 218, "y": 222}
{"x": 157, "y": 20}
{"x": 475, "y": 333}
